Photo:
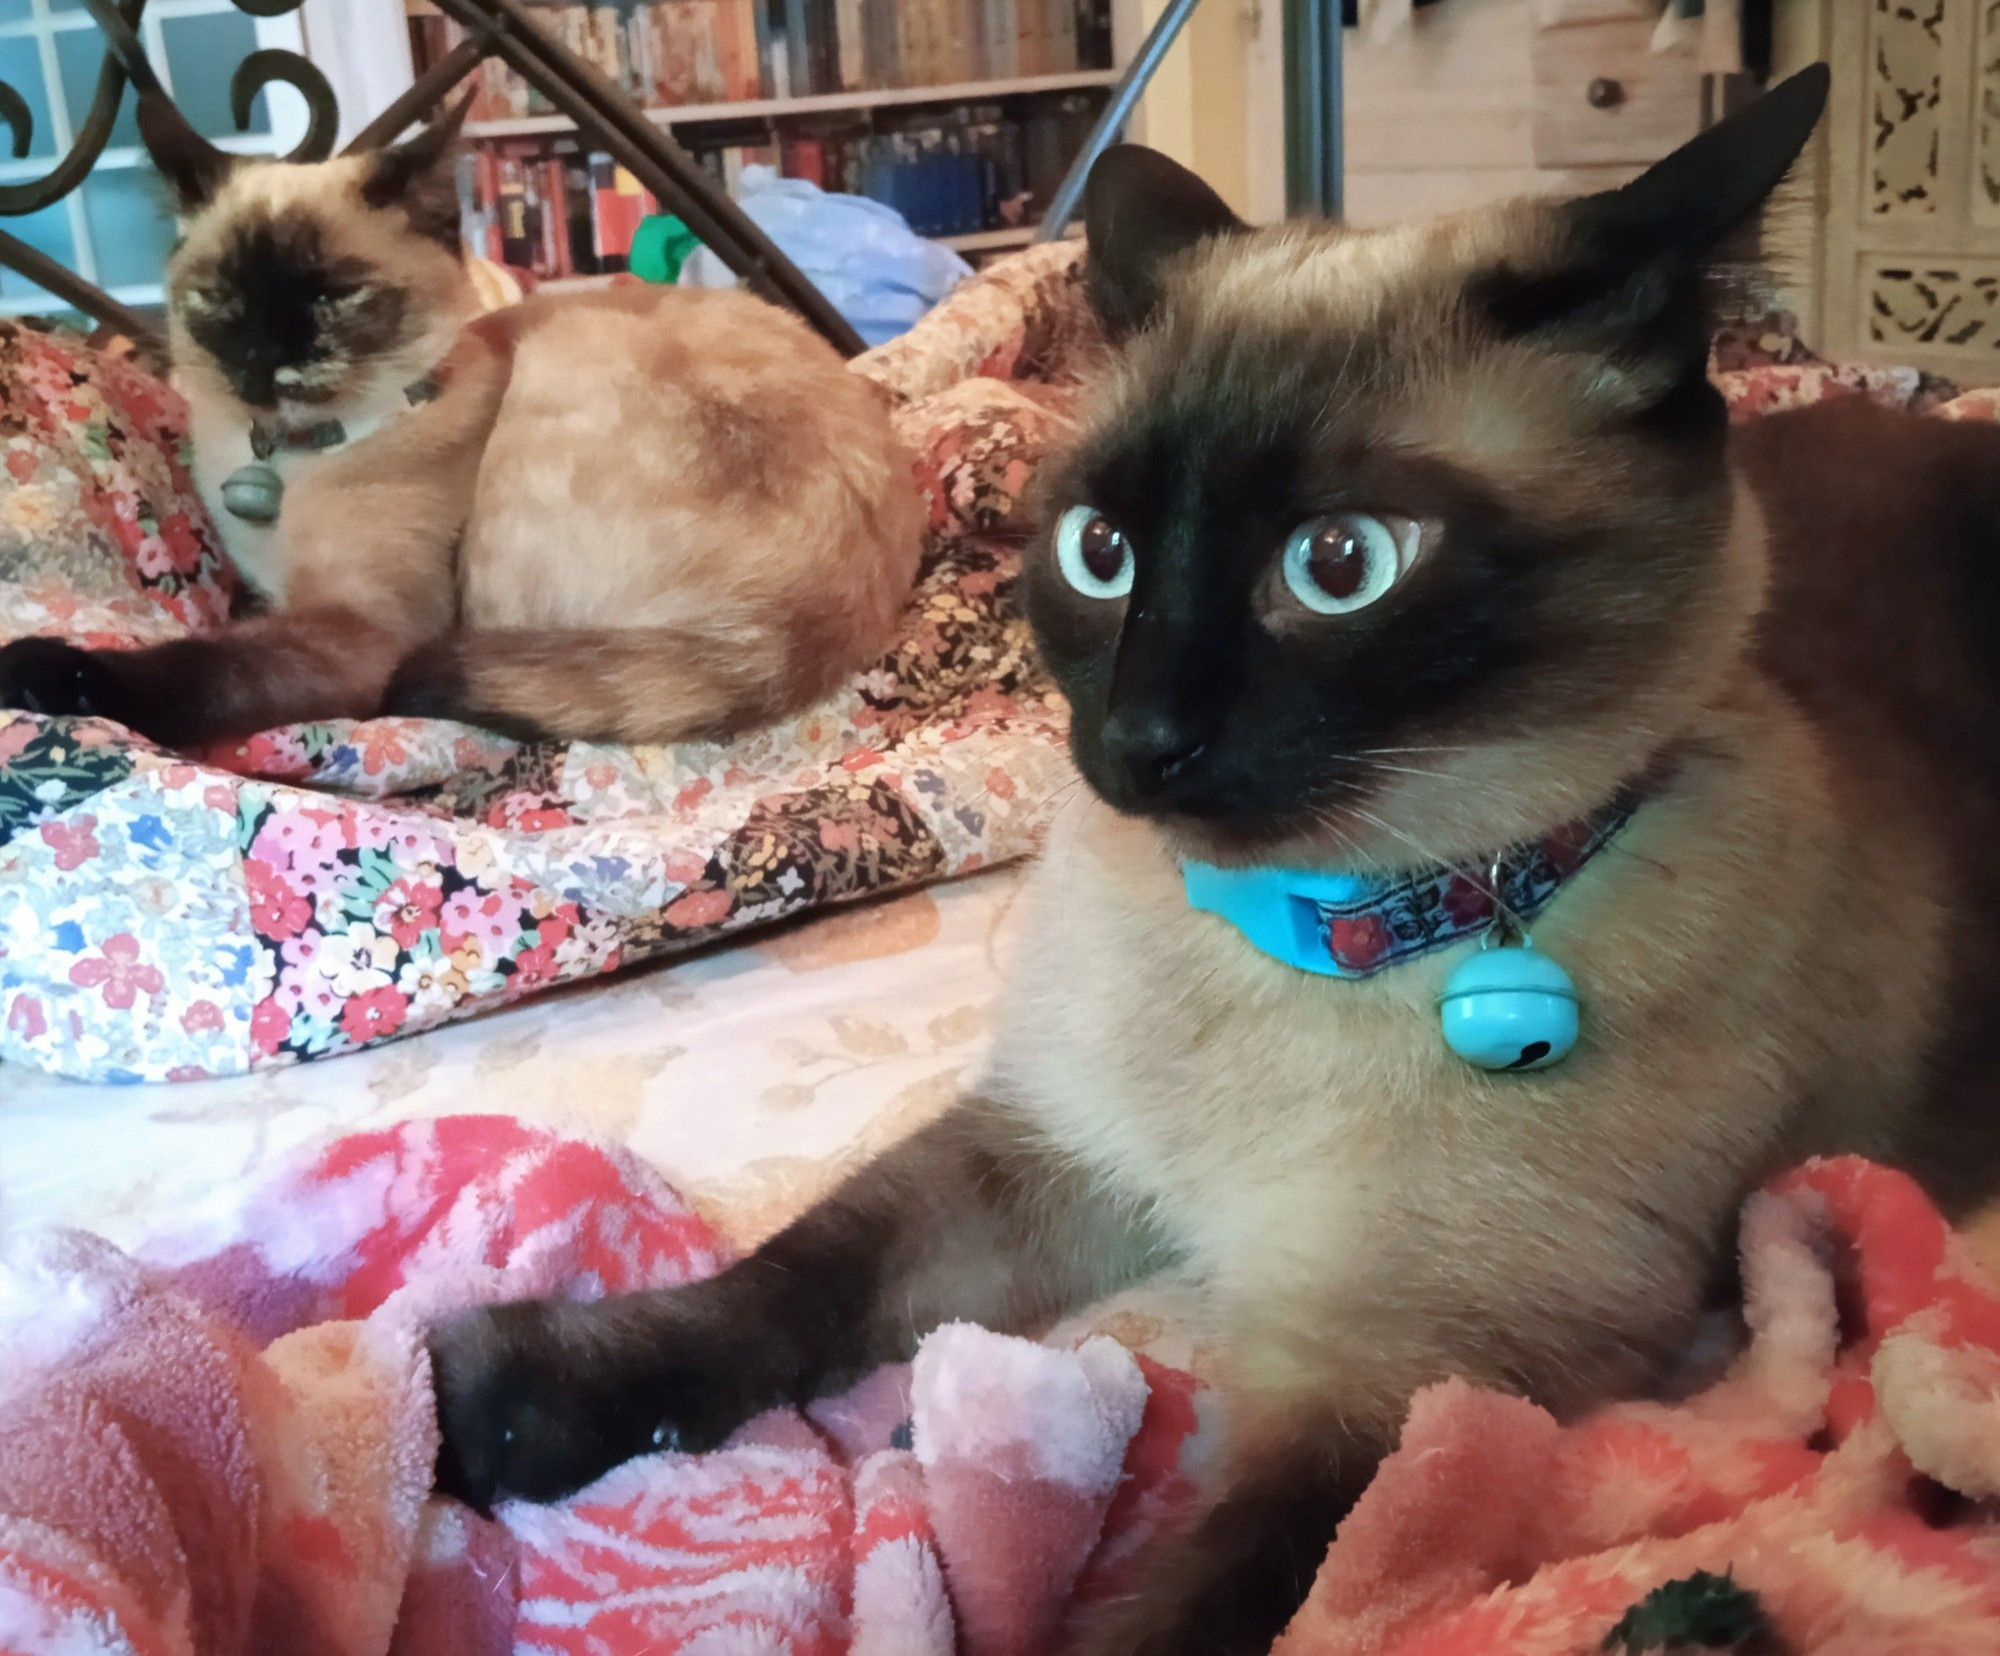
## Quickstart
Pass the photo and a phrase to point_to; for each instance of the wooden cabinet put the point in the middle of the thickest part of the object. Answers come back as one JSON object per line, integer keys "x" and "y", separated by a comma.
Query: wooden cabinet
{"x": 1604, "y": 97}
{"x": 1478, "y": 100}
{"x": 1910, "y": 260}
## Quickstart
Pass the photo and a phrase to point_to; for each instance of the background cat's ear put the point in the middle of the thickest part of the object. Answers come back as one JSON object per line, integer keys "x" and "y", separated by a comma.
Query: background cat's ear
{"x": 193, "y": 167}
{"x": 1633, "y": 251}
{"x": 1139, "y": 210}
{"x": 418, "y": 175}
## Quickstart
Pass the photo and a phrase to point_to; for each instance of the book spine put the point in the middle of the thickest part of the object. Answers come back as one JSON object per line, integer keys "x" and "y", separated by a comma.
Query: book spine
{"x": 740, "y": 24}
{"x": 965, "y": 17}
{"x": 874, "y": 50}
{"x": 826, "y": 44}
{"x": 646, "y": 46}
{"x": 579, "y": 254}
{"x": 488, "y": 189}
{"x": 531, "y": 216}
{"x": 471, "y": 210}
{"x": 941, "y": 41}
{"x": 1007, "y": 39}
{"x": 608, "y": 46}
{"x": 729, "y": 51}
{"x": 638, "y": 49}
{"x": 906, "y": 18}
{"x": 555, "y": 218}
{"x": 605, "y": 216}
{"x": 778, "y": 50}
{"x": 516, "y": 247}
{"x": 760, "y": 16}
{"x": 706, "y": 66}
{"x": 677, "y": 54}
{"x": 798, "y": 50}
{"x": 1093, "y": 34}
{"x": 1034, "y": 37}
{"x": 848, "y": 40}
{"x": 1062, "y": 22}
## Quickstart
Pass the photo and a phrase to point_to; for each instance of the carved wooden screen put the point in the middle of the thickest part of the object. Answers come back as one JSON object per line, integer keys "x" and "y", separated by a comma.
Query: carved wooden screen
{"x": 1912, "y": 242}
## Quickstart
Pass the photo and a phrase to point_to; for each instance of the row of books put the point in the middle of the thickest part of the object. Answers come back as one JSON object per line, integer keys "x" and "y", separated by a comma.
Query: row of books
{"x": 672, "y": 53}
{"x": 557, "y": 212}
{"x": 547, "y": 207}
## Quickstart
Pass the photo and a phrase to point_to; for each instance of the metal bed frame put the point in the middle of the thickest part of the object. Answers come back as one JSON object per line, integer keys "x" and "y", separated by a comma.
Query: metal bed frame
{"x": 609, "y": 120}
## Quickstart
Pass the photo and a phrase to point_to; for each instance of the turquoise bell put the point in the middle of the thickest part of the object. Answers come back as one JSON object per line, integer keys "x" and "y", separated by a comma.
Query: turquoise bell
{"x": 1510, "y": 1008}
{"x": 254, "y": 493}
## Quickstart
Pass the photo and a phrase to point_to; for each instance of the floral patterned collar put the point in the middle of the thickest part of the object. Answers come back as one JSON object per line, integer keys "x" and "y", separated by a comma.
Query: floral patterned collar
{"x": 1355, "y": 925}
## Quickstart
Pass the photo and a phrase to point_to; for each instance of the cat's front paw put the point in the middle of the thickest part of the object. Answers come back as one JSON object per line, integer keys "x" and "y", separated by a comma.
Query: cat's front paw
{"x": 541, "y": 1398}
{"x": 46, "y": 675}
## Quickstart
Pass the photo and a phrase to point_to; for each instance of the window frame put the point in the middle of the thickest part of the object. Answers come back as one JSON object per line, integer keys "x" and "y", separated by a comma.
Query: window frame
{"x": 42, "y": 26}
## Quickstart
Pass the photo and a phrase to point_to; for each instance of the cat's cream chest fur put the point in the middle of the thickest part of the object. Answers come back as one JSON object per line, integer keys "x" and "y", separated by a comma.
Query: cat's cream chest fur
{"x": 219, "y": 428}
{"x": 221, "y": 445}
{"x": 1311, "y": 1143}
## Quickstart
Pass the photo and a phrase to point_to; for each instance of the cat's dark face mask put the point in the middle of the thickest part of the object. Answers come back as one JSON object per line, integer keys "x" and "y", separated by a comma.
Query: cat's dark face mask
{"x": 1399, "y": 545}
{"x": 293, "y": 284}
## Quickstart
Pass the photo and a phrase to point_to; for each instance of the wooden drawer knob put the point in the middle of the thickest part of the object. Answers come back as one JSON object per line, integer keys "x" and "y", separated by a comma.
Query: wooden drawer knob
{"x": 1604, "y": 93}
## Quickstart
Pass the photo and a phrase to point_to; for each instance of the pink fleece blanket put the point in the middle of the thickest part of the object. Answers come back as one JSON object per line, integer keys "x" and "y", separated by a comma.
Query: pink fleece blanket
{"x": 226, "y": 1448}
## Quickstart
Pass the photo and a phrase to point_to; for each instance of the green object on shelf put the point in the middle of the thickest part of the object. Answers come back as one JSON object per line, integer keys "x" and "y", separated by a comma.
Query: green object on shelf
{"x": 660, "y": 246}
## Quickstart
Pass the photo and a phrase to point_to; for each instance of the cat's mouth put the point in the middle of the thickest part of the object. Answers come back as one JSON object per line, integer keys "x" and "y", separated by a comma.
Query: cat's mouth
{"x": 311, "y": 385}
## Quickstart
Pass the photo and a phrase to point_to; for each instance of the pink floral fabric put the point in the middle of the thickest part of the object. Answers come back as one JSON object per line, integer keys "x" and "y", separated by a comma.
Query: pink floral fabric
{"x": 318, "y": 888}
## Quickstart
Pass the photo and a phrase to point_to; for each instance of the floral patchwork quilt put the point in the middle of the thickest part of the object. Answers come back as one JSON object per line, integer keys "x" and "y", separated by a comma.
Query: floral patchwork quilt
{"x": 321, "y": 887}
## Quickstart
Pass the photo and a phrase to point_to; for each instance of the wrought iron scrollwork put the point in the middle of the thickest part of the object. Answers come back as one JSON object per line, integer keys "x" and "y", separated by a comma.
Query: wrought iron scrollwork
{"x": 125, "y": 61}
{"x": 499, "y": 28}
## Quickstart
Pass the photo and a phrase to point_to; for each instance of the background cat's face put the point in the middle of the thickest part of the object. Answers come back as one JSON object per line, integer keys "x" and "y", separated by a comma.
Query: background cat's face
{"x": 1391, "y": 546}
{"x": 297, "y": 287}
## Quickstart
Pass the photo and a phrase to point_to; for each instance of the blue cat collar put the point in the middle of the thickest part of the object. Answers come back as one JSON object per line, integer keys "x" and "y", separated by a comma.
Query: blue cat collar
{"x": 1277, "y": 909}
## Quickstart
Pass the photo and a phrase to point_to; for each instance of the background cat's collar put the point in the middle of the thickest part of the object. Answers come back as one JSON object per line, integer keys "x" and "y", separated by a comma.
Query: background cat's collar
{"x": 1355, "y": 925}
{"x": 267, "y": 439}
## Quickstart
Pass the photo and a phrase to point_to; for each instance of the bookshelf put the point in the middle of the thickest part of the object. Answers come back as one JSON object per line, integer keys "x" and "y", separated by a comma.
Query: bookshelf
{"x": 961, "y": 114}
{"x": 815, "y": 104}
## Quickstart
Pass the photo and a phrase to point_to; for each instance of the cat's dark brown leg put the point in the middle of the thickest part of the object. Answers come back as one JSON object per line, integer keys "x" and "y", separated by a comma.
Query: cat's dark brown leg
{"x": 969, "y": 1218}
{"x": 323, "y": 663}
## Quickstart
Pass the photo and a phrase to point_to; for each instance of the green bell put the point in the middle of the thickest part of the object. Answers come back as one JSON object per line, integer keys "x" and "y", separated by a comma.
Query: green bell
{"x": 254, "y": 493}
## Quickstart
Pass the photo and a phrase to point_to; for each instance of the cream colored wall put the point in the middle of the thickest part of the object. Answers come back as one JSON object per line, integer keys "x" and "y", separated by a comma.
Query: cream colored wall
{"x": 1794, "y": 235}
{"x": 1198, "y": 107}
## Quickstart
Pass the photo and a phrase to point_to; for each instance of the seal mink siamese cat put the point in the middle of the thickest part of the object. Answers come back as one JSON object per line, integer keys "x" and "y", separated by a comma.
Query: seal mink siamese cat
{"x": 646, "y": 514}
{"x": 1383, "y": 551}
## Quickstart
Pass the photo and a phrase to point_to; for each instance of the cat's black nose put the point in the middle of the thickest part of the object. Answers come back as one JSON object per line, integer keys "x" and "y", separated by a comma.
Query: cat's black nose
{"x": 1154, "y": 751}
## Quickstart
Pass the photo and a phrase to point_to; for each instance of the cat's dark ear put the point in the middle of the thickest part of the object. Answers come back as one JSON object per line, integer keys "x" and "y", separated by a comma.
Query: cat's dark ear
{"x": 419, "y": 176}
{"x": 1632, "y": 252}
{"x": 193, "y": 167}
{"x": 1139, "y": 210}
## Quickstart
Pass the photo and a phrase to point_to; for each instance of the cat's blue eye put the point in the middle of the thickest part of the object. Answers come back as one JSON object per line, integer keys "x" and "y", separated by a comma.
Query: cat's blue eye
{"x": 1094, "y": 557}
{"x": 1338, "y": 564}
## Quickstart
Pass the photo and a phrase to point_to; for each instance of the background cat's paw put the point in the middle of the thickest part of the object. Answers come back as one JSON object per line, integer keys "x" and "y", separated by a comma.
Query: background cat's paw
{"x": 46, "y": 675}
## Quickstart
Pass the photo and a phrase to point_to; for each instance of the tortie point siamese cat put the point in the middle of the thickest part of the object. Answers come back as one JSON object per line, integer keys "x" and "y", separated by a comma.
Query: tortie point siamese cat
{"x": 1395, "y": 570}
{"x": 645, "y": 514}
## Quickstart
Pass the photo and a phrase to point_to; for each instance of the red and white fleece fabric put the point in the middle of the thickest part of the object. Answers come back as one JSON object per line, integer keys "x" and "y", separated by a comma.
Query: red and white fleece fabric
{"x": 226, "y": 1448}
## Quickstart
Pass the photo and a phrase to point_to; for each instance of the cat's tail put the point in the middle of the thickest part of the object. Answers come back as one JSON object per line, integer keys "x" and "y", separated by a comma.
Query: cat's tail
{"x": 639, "y": 684}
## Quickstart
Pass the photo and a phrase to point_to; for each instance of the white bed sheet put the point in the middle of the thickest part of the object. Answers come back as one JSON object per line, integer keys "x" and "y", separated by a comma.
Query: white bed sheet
{"x": 751, "y": 1076}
